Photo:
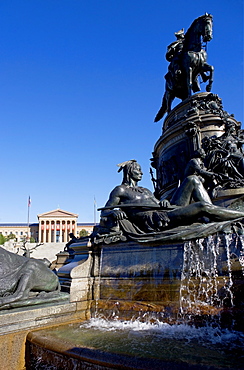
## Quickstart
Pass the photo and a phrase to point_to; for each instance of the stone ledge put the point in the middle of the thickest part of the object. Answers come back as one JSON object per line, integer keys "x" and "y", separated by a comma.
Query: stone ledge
{"x": 15, "y": 324}
{"x": 26, "y": 318}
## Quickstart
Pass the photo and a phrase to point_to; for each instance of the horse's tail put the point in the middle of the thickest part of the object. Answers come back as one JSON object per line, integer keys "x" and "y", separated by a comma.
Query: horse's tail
{"x": 160, "y": 114}
{"x": 164, "y": 108}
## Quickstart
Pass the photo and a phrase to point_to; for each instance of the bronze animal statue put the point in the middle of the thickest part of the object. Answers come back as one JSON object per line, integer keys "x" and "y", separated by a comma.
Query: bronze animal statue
{"x": 188, "y": 60}
{"x": 20, "y": 277}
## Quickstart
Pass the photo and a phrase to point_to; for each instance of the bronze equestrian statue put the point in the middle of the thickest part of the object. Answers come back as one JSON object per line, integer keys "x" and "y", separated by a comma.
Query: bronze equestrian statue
{"x": 188, "y": 60}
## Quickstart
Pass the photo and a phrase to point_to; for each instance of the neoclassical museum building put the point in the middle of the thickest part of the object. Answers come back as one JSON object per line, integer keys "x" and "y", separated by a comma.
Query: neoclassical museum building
{"x": 52, "y": 227}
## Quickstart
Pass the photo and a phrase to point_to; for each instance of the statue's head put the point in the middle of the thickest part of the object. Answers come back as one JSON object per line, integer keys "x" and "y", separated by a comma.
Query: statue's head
{"x": 180, "y": 34}
{"x": 131, "y": 170}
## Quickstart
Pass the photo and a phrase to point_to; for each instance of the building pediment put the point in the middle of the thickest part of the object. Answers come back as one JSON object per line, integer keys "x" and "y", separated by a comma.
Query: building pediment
{"x": 57, "y": 213}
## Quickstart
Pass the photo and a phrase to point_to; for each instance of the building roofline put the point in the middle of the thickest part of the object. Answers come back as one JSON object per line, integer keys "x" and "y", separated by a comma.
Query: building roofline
{"x": 16, "y": 224}
{"x": 66, "y": 213}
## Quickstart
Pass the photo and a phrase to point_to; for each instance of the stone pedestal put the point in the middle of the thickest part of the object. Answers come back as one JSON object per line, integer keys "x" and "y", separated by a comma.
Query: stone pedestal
{"x": 183, "y": 130}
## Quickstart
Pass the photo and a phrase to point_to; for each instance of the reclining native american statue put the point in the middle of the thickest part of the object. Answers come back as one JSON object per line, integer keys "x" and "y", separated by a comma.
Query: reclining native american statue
{"x": 135, "y": 212}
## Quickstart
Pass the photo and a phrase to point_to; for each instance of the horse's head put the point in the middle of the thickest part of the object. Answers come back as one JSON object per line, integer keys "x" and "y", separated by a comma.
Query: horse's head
{"x": 207, "y": 33}
{"x": 200, "y": 29}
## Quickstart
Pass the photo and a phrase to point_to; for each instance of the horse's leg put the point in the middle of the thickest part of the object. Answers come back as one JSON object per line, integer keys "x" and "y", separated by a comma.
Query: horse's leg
{"x": 195, "y": 84}
{"x": 189, "y": 81}
{"x": 188, "y": 73}
{"x": 210, "y": 69}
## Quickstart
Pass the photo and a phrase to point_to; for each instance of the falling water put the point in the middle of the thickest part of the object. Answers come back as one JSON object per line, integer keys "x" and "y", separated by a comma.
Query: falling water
{"x": 229, "y": 280}
{"x": 212, "y": 279}
{"x": 199, "y": 278}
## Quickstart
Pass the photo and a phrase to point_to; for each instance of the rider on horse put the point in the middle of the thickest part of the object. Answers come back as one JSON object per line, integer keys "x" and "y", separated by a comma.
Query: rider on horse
{"x": 188, "y": 60}
{"x": 173, "y": 55}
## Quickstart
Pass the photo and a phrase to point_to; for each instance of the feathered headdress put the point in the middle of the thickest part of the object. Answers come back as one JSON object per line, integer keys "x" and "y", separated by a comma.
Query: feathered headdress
{"x": 125, "y": 164}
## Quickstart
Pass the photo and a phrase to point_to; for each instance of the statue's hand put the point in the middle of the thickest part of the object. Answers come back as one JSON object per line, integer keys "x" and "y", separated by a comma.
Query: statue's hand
{"x": 117, "y": 214}
{"x": 164, "y": 203}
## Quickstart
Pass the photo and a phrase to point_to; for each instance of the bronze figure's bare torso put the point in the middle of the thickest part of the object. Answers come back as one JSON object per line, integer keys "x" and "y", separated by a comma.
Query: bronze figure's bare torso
{"x": 139, "y": 206}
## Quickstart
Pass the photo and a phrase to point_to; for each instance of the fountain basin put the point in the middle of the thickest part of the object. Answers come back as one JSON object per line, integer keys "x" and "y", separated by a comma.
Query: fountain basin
{"x": 177, "y": 306}
{"x": 100, "y": 344}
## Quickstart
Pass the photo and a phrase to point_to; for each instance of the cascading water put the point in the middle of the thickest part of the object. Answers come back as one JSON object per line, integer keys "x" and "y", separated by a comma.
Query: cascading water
{"x": 201, "y": 278}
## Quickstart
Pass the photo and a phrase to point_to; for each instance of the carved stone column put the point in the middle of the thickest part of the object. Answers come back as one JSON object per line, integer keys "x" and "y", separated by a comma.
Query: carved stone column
{"x": 40, "y": 232}
{"x": 55, "y": 231}
{"x": 60, "y": 232}
{"x": 49, "y": 231}
{"x": 45, "y": 232}
{"x": 65, "y": 231}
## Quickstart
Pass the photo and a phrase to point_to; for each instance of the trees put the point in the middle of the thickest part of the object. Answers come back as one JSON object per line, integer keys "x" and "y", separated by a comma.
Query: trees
{"x": 2, "y": 239}
{"x": 6, "y": 238}
{"x": 10, "y": 236}
{"x": 83, "y": 232}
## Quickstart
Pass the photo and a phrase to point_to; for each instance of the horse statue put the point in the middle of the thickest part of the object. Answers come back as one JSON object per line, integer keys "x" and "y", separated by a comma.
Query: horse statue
{"x": 187, "y": 60}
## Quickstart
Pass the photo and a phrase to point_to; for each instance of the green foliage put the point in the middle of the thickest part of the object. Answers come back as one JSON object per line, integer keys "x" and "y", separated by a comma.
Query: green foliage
{"x": 10, "y": 236}
{"x": 32, "y": 240}
{"x": 2, "y": 239}
{"x": 83, "y": 232}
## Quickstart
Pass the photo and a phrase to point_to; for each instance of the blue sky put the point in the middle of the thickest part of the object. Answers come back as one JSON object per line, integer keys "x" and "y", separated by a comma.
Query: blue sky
{"x": 80, "y": 84}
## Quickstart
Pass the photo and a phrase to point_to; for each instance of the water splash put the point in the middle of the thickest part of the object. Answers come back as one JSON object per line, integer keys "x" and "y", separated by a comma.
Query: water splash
{"x": 199, "y": 278}
{"x": 209, "y": 345}
{"x": 229, "y": 280}
{"x": 206, "y": 335}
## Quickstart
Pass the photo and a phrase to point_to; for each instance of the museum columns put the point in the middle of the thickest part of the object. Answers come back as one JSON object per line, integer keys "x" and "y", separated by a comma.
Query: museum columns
{"x": 55, "y": 226}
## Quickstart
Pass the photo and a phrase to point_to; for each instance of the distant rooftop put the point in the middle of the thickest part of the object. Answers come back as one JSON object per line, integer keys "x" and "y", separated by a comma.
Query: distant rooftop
{"x": 15, "y": 224}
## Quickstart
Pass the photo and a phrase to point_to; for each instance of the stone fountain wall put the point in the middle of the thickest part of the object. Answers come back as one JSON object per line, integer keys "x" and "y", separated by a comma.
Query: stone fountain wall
{"x": 185, "y": 281}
